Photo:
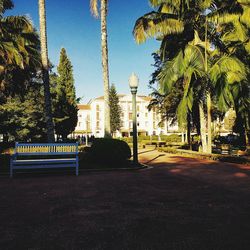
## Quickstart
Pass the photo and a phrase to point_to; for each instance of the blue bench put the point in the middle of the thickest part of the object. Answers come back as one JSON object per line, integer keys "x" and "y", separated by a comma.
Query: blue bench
{"x": 35, "y": 156}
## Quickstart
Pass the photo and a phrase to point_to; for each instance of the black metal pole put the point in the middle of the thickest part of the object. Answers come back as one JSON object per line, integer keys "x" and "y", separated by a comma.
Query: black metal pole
{"x": 135, "y": 149}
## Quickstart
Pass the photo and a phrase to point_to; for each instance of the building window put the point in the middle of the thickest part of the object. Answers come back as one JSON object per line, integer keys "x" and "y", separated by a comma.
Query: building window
{"x": 130, "y": 124}
{"x": 79, "y": 124}
{"x": 146, "y": 115}
{"x": 97, "y": 125}
{"x": 97, "y": 107}
{"x": 138, "y": 107}
{"x": 154, "y": 125}
{"x": 97, "y": 115}
{"x": 130, "y": 116}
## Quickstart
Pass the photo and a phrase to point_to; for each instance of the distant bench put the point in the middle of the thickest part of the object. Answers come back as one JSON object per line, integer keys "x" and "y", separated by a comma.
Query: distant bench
{"x": 44, "y": 155}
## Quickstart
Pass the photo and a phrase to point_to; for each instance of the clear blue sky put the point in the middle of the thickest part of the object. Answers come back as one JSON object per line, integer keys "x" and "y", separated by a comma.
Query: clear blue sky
{"x": 70, "y": 25}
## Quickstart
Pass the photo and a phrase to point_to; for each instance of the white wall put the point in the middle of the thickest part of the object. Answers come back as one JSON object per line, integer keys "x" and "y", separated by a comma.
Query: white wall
{"x": 147, "y": 120}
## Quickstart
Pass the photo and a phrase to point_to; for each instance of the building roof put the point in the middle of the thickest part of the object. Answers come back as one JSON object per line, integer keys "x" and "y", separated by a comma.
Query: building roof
{"x": 102, "y": 97}
{"x": 83, "y": 107}
{"x": 145, "y": 98}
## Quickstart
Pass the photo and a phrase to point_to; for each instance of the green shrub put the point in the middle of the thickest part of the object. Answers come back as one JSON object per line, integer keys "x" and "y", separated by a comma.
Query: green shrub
{"x": 109, "y": 150}
{"x": 4, "y": 162}
{"x": 173, "y": 138}
{"x": 127, "y": 139}
{"x": 169, "y": 150}
{"x": 233, "y": 159}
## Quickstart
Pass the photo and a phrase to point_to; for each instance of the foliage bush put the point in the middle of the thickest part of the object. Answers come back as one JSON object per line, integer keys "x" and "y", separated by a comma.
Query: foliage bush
{"x": 173, "y": 138}
{"x": 109, "y": 150}
{"x": 6, "y": 147}
{"x": 4, "y": 163}
{"x": 169, "y": 150}
{"x": 198, "y": 155}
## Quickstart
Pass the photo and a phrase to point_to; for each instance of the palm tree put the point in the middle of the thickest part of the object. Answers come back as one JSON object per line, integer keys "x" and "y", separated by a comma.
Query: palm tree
{"x": 19, "y": 45}
{"x": 105, "y": 68}
{"x": 234, "y": 27}
{"x": 179, "y": 24}
{"x": 45, "y": 71}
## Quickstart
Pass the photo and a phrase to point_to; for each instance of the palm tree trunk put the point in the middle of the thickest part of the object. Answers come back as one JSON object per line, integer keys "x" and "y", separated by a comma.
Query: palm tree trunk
{"x": 203, "y": 128}
{"x": 105, "y": 68}
{"x": 209, "y": 131}
{"x": 209, "y": 122}
{"x": 45, "y": 72}
{"x": 189, "y": 131}
{"x": 182, "y": 136}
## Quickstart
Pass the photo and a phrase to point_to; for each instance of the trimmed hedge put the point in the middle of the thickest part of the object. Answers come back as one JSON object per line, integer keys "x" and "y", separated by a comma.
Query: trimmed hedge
{"x": 109, "y": 151}
{"x": 195, "y": 154}
{"x": 4, "y": 163}
{"x": 173, "y": 138}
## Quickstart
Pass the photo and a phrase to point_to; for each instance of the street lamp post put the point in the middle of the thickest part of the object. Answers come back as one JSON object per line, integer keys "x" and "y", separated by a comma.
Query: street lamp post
{"x": 133, "y": 84}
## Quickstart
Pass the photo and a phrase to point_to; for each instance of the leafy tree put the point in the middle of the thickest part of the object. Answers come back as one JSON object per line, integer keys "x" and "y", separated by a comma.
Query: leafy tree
{"x": 65, "y": 104}
{"x": 115, "y": 110}
{"x": 22, "y": 116}
{"x": 105, "y": 68}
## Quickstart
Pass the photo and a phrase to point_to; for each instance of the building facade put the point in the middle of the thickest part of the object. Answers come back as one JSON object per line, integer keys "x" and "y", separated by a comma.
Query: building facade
{"x": 91, "y": 118}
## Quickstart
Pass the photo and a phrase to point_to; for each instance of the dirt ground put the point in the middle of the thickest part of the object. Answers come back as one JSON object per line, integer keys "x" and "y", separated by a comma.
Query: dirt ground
{"x": 179, "y": 203}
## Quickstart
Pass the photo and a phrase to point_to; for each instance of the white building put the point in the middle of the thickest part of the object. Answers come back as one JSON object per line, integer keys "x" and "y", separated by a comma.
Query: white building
{"x": 91, "y": 118}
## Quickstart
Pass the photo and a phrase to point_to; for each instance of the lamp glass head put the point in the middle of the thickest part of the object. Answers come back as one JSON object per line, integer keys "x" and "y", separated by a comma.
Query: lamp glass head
{"x": 133, "y": 81}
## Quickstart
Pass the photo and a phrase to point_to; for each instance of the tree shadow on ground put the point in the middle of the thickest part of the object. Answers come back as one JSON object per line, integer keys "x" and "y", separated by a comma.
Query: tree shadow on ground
{"x": 179, "y": 204}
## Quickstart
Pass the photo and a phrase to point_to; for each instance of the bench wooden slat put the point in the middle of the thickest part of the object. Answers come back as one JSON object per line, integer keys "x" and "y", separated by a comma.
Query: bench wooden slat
{"x": 45, "y": 166}
{"x": 44, "y": 153}
{"x": 39, "y": 161}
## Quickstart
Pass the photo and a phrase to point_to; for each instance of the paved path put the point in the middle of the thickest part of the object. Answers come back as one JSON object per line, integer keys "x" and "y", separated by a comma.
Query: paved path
{"x": 228, "y": 175}
{"x": 179, "y": 204}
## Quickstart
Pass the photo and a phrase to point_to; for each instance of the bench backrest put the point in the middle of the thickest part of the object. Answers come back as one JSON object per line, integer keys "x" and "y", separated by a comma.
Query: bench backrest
{"x": 46, "y": 148}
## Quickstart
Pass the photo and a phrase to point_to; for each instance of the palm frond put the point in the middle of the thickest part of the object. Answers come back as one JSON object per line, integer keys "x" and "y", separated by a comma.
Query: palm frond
{"x": 154, "y": 24}
{"x": 94, "y": 8}
{"x": 245, "y": 16}
{"x": 232, "y": 67}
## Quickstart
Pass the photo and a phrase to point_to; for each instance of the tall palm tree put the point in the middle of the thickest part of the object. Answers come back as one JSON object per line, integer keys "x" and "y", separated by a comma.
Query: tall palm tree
{"x": 179, "y": 23}
{"x": 105, "y": 67}
{"x": 234, "y": 27}
{"x": 45, "y": 71}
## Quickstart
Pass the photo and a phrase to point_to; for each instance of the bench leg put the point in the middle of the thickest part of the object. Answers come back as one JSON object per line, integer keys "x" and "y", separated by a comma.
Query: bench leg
{"x": 77, "y": 166}
{"x": 11, "y": 169}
